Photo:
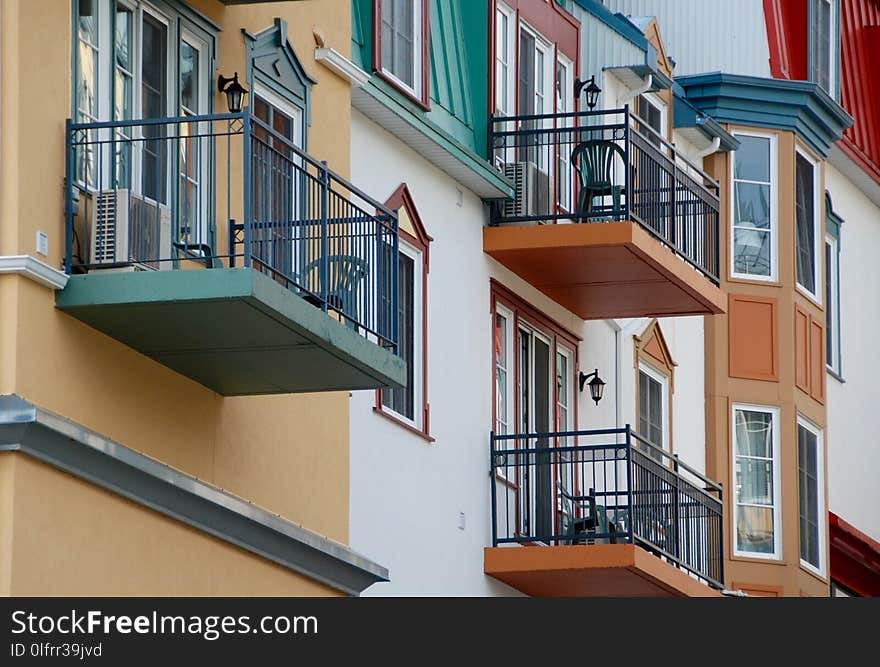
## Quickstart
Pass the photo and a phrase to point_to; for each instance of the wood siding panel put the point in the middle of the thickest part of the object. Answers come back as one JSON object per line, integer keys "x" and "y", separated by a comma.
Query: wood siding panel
{"x": 801, "y": 349}
{"x": 817, "y": 360}
{"x": 754, "y": 345}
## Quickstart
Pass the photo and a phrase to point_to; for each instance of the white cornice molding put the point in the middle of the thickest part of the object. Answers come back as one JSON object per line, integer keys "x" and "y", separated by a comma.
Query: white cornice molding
{"x": 31, "y": 267}
{"x": 342, "y": 66}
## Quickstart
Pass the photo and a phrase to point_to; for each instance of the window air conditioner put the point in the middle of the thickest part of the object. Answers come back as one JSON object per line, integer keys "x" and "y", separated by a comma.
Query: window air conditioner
{"x": 128, "y": 228}
{"x": 532, "y": 188}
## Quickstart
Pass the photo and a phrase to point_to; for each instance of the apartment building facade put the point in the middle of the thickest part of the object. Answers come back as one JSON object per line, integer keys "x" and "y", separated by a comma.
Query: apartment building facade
{"x": 189, "y": 287}
{"x": 516, "y": 311}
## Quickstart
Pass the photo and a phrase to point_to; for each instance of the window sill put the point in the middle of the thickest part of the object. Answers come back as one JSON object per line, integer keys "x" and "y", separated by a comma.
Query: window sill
{"x": 409, "y": 427}
{"x": 762, "y": 561}
{"x": 423, "y": 104}
{"x": 833, "y": 373}
{"x": 753, "y": 281}
{"x": 803, "y": 291}
{"x": 808, "y": 569}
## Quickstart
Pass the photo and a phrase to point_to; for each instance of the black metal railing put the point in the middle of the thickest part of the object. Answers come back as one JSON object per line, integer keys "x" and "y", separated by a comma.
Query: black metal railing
{"x": 228, "y": 190}
{"x": 603, "y": 166}
{"x": 604, "y": 487}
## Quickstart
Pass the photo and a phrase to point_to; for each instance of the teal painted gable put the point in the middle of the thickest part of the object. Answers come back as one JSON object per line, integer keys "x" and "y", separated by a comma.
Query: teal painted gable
{"x": 458, "y": 72}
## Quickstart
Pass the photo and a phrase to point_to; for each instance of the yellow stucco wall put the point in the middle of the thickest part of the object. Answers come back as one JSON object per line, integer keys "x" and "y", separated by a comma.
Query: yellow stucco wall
{"x": 71, "y": 538}
{"x": 288, "y": 454}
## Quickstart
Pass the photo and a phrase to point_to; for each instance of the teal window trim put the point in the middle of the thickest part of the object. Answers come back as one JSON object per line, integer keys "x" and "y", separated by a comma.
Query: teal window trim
{"x": 833, "y": 225}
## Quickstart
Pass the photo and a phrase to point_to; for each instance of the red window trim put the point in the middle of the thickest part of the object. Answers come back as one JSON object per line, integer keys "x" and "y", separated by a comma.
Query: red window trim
{"x": 402, "y": 198}
{"x": 522, "y": 309}
{"x": 423, "y": 101}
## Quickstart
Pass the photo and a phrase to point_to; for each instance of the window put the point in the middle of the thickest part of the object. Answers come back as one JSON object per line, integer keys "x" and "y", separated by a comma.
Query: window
{"x": 832, "y": 290}
{"x": 811, "y": 491}
{"x": 806, "y": 226}
{"x": 504, "y": 59}
{"x": 402, "y": 38}
{"x": 754, "y": 238}
{"x": 134, "y": 62}
{"x": 402, "y": 401}
{"x": 757, "y": 529}
{"x": 824, "y": 44}
{"x": 408, "y": 406}
{"x": 653, "y": 407}
{"x": 564, "y": 104}
{"x": 651, "y": 112}
{"x": 503, "y": 369}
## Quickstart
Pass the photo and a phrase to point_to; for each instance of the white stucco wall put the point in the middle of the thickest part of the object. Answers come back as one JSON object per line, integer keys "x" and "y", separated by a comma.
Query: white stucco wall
{"x": 408, "y": 495}
{"x": 853, "y": 450}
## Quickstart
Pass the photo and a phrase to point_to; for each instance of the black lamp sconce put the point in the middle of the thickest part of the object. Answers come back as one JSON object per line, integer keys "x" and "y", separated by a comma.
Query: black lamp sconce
{"x": 597, "y": 386}
{"x": 235, "y": 92}
{"x": 592, "y": 88}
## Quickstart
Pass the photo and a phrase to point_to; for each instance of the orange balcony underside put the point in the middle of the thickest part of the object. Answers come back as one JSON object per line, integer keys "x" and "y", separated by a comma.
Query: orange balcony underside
{"x": 600, "y": 570}
{"x": 604, "y": 270}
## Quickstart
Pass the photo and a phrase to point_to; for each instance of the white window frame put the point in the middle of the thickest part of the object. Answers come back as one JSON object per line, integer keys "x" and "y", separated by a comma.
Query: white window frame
{"x": 564, "y": 105}
{"x": 774, "y": 209}
{"x": 418, "y": 51}
{"x": 774, "y": 412}
{"x": 663, "y": 380}
{"x": 833, "y": 46}
{"x": 817, "y": 230}
{"x": 510, "y": 351}
{"x": 654, "y": 100}
{"x": 820, "y": 497}
{"x": 506, "y": 106}
{"x": 832, "y": 281}
{"x": 417, "y": 422}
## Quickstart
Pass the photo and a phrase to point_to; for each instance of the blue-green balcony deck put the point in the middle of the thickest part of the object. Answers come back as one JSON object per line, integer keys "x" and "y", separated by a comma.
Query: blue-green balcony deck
{"x": 234, "y": 331}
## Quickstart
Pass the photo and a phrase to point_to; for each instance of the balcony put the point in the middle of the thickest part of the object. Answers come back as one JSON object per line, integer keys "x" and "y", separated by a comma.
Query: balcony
{"x": 215, "y": 246}
{"x": 655, "y": 252}
{"x": 601, "y": 513}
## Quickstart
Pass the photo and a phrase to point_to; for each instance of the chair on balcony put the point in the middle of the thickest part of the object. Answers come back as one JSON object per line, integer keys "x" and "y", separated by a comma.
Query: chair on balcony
{"x": 346, "y": 273}
{"x": 586, "y": 519}
{"x": 594, "y": 162}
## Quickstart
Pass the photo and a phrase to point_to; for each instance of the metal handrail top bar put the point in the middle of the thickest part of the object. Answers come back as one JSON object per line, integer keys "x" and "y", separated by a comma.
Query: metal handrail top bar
{"x": 681, "y": 464}
{"x": 559, "y": 434}
{"x": 332, "y": 175}
{"x": 526, "y": 132}
{"x": 115, "y": 139}
{"x": 568, "y": 114}
{"x": 170, "y": 120}
{"x": 675, "y": 152}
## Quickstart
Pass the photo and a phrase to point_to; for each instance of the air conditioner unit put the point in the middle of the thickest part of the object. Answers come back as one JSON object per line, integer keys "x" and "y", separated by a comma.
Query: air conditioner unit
{"x": 532, "y": 188}
{"x": 128, "y": 228}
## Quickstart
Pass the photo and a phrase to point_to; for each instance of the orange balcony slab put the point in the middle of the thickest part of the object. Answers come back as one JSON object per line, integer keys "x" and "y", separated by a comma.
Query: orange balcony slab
{"x": 597, "y": 570}
{"x": 604, "y": 270}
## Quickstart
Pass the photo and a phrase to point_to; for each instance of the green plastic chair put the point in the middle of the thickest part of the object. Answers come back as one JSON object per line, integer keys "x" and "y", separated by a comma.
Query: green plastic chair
{"x": 594, "y": 162}
{"x": 346, "y": 273}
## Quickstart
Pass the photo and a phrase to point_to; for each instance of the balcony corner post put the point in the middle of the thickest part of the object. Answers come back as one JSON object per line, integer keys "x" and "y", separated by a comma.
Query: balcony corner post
{"x": 68, "y": 197}
{"x": 325, "y": 260}
{"x": 493, "y": 489}
{"x": 627, "y": 176}
{"x": 629, "y": 489}
{"x": 248, "y": 213}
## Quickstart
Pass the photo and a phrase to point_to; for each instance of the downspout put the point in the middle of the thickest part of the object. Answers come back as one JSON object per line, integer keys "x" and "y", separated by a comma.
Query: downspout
{"x": 716, "y": 143}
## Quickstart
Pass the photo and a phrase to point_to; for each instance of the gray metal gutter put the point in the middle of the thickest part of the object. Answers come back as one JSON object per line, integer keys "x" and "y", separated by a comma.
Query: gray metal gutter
{"x": 30, "y": 430}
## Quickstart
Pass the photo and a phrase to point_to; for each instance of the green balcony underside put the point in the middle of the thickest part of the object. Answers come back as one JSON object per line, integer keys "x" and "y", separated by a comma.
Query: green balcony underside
{"x": 233, "y": 330}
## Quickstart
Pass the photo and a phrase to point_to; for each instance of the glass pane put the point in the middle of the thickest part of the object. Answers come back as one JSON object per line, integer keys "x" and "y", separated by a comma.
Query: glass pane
{"x": 402, "y": 401}
{"x": 501, "y": 373}
{"x": 754, "y": 433}
{"x": 830, "y": 306}
{"x": 754, "y": 529}
{"x": 88, "y": 21}
{"x": 805, "y": 220}
{"x": 154, "y": 105}
{"x": 526, "y": 73}
{"x": 88, "y": 80}
{"x": 752, "y": 205}
{"x": 189, "y": 78}
{"x": 751, "y": 252}
{"x": 754, "y": 481}
{"x": 123, "y": 52}
{"x": 752, "y": 159}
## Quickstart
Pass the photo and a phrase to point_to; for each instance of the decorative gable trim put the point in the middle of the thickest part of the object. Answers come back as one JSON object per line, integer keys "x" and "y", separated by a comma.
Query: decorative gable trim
{"x": 272, "y": 62}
